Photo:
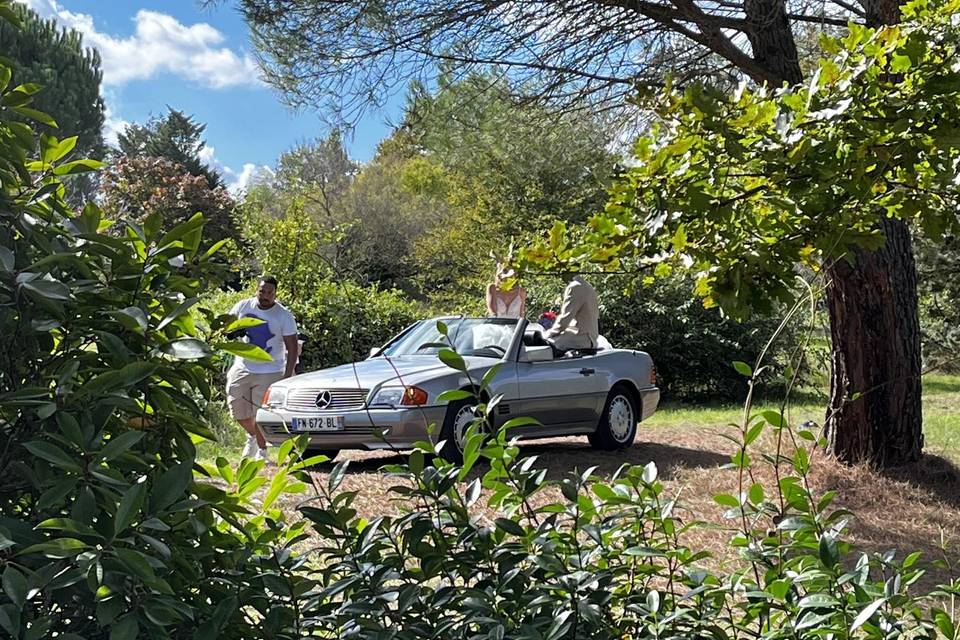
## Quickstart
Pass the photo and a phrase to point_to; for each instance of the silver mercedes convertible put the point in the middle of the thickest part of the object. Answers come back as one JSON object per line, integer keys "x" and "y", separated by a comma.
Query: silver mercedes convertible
{"x": 390, "y": 399}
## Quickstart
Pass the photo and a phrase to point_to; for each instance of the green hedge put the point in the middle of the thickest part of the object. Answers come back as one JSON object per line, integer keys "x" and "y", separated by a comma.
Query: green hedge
{"x": 341, "y": 320}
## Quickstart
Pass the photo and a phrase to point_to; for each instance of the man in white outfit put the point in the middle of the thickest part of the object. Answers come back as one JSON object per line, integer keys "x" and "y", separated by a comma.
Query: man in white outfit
{"x": 578, "y": 325}
{"x": 248, "y": 380}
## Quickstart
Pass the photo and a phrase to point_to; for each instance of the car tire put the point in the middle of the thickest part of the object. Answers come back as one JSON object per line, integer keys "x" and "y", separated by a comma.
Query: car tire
{"x": 460, "y": 415}
{"x": 618, "y": 423}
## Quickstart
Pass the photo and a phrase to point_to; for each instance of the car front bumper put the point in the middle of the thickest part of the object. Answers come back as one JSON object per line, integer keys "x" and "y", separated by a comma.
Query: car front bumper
{"x": 362, "y": 429}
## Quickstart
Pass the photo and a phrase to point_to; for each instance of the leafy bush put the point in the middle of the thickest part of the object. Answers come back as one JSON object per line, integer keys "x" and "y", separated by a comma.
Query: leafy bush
{"x": 692, "y": 346}
{"x": 104, "y": 530}
{"x": 610, "y": 559}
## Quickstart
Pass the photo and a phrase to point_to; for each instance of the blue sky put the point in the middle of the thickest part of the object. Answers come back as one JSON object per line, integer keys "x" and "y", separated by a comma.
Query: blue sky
{"x": 172, "y": 52}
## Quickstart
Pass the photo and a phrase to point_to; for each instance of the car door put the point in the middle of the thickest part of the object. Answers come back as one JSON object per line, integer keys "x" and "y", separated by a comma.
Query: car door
{"x": 563, "y": 394}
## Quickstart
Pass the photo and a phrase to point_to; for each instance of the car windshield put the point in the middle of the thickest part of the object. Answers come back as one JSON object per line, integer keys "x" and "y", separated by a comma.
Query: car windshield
{"x": 489, "y": 337}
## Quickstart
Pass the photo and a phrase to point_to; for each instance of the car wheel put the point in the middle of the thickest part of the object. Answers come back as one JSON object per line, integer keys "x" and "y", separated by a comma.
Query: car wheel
{"x": 460, "y": 415}
{"x": 618, "y": 424}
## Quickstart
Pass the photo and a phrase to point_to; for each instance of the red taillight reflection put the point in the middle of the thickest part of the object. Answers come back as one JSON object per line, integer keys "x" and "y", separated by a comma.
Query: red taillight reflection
{"x": 653, "y": 376}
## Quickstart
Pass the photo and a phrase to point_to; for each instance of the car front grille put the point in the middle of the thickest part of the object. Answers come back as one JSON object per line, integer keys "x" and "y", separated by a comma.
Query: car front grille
{"x": 340, "y": 399}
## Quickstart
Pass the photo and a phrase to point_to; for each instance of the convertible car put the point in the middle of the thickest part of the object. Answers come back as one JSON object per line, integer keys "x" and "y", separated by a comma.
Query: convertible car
{"x": 390, "y": 399}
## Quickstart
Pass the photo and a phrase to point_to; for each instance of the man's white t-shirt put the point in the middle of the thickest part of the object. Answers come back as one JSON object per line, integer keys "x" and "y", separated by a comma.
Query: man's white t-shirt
{"x": 277, "y": 322}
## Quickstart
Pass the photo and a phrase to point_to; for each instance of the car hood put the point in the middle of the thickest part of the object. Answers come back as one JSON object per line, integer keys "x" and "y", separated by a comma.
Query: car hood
{"x": 367, "y": 374}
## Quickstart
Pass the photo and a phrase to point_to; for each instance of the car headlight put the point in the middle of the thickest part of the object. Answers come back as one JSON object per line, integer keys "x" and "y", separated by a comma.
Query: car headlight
{"x": 275, "y": 397}
{"x": 399, "y": 396}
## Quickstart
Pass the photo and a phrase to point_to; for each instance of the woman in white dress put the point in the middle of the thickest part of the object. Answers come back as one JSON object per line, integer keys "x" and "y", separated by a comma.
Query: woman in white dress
{"x": 505, "y": 304}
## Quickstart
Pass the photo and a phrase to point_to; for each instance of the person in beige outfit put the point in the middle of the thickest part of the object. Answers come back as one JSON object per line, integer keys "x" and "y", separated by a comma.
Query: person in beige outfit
{"x": 578, "y": 325}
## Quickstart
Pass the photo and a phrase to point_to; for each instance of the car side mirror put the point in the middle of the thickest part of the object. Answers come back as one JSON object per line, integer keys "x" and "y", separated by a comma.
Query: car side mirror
{"x": 540, "y": 353}
{"x": 374, "y": 351}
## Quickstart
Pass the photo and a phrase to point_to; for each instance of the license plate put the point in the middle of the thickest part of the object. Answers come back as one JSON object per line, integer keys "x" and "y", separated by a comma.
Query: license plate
{"x": 317, "y": 423}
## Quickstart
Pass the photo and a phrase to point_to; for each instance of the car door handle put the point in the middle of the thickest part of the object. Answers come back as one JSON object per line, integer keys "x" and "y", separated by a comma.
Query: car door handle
{"x": 587, "y": 372}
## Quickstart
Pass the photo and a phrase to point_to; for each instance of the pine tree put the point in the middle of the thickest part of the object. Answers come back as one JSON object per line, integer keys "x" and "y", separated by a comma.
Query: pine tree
{"x": 176, "y": 137}
{"x": 52, "y": 56}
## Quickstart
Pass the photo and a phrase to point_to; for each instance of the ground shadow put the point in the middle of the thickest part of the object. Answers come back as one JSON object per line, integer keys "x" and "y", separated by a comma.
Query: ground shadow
{"x": 562, "y": 456}
{"x": 934, "y": 474}
{"x": 935, "y": 385}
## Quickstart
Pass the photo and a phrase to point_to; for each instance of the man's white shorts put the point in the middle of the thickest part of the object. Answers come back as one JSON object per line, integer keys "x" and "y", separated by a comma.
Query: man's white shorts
{"x": 245, "y": 391}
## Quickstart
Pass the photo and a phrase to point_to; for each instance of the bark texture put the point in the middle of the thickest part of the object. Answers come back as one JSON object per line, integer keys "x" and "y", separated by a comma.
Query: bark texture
{"x": 875, "y": 411}
{"x": 771, "y": 39}
{"x": 874, "y": 321}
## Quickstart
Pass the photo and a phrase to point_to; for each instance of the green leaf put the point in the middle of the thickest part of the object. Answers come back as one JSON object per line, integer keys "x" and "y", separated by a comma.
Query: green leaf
{"x": 119, "y": 444}
{"x": 52, "y": 453}
{"x": 7, "y": 261}
{"x": 15, "y": 585}
{"x": 416, "y": 461}
{"x": 70, "y": 526}
{"x": 58, "y": 548}
{"x": 181, "y": 309}
{"x": 244, "y": 350}
{"x": 242, "y": 323}
{"x": 522, "y": 421}
{"x": 137, "y": 563}
{"x": 510, "y": 526}
{"x": 756, "y": 493}
{"x": 866, "y": 613}
{"x": 829, "y": 555}
{"x": 170, "y": 486}
{"x": 52, "y": 149}
{"x": 452, "y": 359}
{"x": 129, "y": 507}
{"x": 775, "y": 418}
{"x": 78, "y": 166}
{"x": 126, "y": 628}
{"x": 650, "y": 472}
{"x": 653, "y": 601}
{"x": 726, "y": 500}
{"x": 181, "y": 230}
{"x": 753, "y": 433}
{"x": 132, "y": 318}
{"x": 186, "y": 349}
{"x": 47, "y": 289}
{"x": 39, "y": 116}
{"x": 743, "y": 368}
{"x": 452, "y": 395}
{"x": 817, "y": 600}
{"x": 277, "y": 485}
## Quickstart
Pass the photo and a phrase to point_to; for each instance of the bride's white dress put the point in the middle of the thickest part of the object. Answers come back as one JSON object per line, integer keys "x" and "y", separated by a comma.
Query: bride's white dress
{"x": 506, "y": 309}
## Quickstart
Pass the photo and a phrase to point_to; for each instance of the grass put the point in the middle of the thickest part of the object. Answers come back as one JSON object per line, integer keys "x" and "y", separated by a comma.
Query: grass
{"x": 941, "y": 415}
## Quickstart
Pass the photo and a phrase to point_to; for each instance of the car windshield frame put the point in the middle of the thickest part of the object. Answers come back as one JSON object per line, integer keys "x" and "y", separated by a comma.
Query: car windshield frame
{"x": 464, "y": 333}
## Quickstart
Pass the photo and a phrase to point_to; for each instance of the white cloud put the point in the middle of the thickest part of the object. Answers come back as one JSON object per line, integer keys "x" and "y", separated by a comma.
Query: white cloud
{"x": 113, "y": 126}
{"x": 237, "y": 182}
{"x": 160, "y": 43}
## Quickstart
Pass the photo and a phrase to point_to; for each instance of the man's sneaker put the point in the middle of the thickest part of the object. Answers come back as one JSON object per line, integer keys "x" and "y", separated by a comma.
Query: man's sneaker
{"x": 250, "y": 449}
{"x": 262, "y": 455}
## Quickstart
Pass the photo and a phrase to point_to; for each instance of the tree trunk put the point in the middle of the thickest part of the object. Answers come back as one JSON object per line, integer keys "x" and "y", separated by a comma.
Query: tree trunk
{"x": 771, "y": 39}
{"x": 875, "y": 411}
{"x": 874, "y": 320}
